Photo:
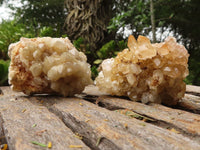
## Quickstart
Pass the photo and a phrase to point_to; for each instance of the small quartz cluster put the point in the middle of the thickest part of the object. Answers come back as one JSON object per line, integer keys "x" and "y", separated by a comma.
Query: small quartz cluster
{"x": 146, "y": 72}
{"x": 48, "y": 65}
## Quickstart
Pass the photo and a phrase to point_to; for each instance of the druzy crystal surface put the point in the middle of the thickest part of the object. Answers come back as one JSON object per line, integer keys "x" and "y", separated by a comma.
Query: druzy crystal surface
{"x": 146, "y": 72}
{"x": 48, "y": 65}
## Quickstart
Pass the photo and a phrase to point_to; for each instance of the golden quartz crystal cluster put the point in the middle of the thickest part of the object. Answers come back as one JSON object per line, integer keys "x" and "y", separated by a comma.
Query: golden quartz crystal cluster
{"x": 48, "y": 65}
{"x": 146, "y": 72}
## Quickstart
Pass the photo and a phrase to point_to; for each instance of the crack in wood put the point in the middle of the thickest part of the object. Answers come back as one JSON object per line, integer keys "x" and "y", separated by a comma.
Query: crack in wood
{"x": 193, "y": 93}
{"x": 89, "y": 137}
{"x": 67, "y": 109}
{"x": 188, "y": 106}
{"x": 159, "y": 123}
{"x": 1, "y": 92}
{"x": 156, "y": 122}
{"x": 49, "y": 101}
{"x": 3, "y": 140}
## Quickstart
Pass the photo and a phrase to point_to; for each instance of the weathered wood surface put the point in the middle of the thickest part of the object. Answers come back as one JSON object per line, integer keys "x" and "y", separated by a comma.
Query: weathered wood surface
{"x": 94, "y": 120}
{"x": 24, "y": 122}
{"x": 193, "y": 89}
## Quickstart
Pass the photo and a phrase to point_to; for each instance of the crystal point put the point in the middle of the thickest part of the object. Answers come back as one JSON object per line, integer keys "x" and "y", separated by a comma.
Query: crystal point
{"x": 147, "y": 72}
{"x": 48, "y": 65}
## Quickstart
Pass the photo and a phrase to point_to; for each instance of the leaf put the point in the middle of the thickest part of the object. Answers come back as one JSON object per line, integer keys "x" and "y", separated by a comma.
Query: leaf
{"x": 75, "y": 146}
{"x": 3, "y": 71}
{"x": 134, "y": 115}
{"x": 5, "y": 147}
{"x": 173, "y": 130}
{"x": 34, "y": 125}
{"x": 98, "y": 141}
{"x": 172, "y": 15}
{"x": 37, "y": 143}
{"x": 161, "y": 23}
{"x": 49, "y": 145}
{"x": 98, "y": 61}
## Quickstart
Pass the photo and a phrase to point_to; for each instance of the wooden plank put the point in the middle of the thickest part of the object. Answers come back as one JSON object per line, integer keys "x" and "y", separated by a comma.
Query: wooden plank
{"x": 1, "y": 92}
{"x": 99, "y": 127}
{"x": 182, "y": 120}
{"x": 192, "y": 98}
{"x": 191, "y": 103}
{"x": 195, "y": 90}
{"x": 7, "y": 92}
{"x": 24, "y": 122}
{"x": 2, "y": 135}
{"x": 118, "y": 130}
{"x": 93, "y": 90}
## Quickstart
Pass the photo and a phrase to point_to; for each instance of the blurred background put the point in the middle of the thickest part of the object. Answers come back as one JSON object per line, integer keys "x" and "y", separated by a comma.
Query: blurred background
{"x": 100, "y": 28}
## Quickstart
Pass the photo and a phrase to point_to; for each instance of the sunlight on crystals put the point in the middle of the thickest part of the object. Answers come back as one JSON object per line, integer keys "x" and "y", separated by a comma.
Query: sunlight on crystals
{"x": 146, "y": 72}
{"x": 48, "y": 65}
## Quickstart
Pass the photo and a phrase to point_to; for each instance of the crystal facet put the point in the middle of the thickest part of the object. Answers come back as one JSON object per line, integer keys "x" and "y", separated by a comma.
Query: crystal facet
{"x": 48, "y": 65}
{"x": 146, "y": 72}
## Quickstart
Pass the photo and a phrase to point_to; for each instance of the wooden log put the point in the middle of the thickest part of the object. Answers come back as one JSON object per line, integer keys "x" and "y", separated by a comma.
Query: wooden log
{"x": 1, "y": 93}
{"x": 93, "y": 90}
{"x": 24, "y": 123}
{"x": 195, "y": 90}
{"x": 181, "y": 120}
{"x": 99, "y": 128}
{"x": 2, "y": 135}
{"x": 191, "y": 103}
{"x": 121, "y": 132}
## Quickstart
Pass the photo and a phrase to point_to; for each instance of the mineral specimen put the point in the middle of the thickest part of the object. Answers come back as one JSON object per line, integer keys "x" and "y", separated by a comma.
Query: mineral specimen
{"x": 146, "y": 72}
{"x": 48, "y": 65}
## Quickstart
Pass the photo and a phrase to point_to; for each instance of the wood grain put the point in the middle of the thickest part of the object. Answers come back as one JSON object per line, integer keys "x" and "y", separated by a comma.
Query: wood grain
{"x": 91, "y": 122}
{"x": 195, "y": 90}
{"x": 112, "y": 126}
{"x": 24, "y": 122}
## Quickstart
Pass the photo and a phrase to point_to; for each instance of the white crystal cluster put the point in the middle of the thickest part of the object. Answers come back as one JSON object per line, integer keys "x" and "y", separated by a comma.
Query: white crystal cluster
{"x": 48, "y": 65}
{"x": 146, "y": 72}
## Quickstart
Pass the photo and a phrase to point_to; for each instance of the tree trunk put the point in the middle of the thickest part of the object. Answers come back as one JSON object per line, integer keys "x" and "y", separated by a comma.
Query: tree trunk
{"x": 153, "y": 21}
{"x": 88, "y": 19}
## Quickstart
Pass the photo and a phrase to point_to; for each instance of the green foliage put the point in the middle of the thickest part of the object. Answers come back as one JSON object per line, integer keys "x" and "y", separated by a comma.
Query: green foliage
{"x": 94, "y": 71}
{"x": 118, "y": 21}
{"x": 48, "y": 13}
{"x": 110, "y": 49}
{"x": 11, "y": 32}
{"x": 121, "y": 45}
{"x": 77, "y": 43}
{"x": 134, "y": 15}
{"x": 4, "y": 72}
{"x": 194, "y": 75}
{"x": 98, "y": 61}
{"x": 107, "y": 50}
{"x": 48, "y": 31}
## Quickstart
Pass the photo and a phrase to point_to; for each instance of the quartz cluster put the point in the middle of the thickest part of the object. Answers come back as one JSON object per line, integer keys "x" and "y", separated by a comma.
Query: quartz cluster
{"x": 146, "y": 72}
{"x": 48, "y": 65}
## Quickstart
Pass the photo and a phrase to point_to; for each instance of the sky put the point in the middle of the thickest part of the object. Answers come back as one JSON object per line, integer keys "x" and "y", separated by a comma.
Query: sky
{"x": 5, "y": 12}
